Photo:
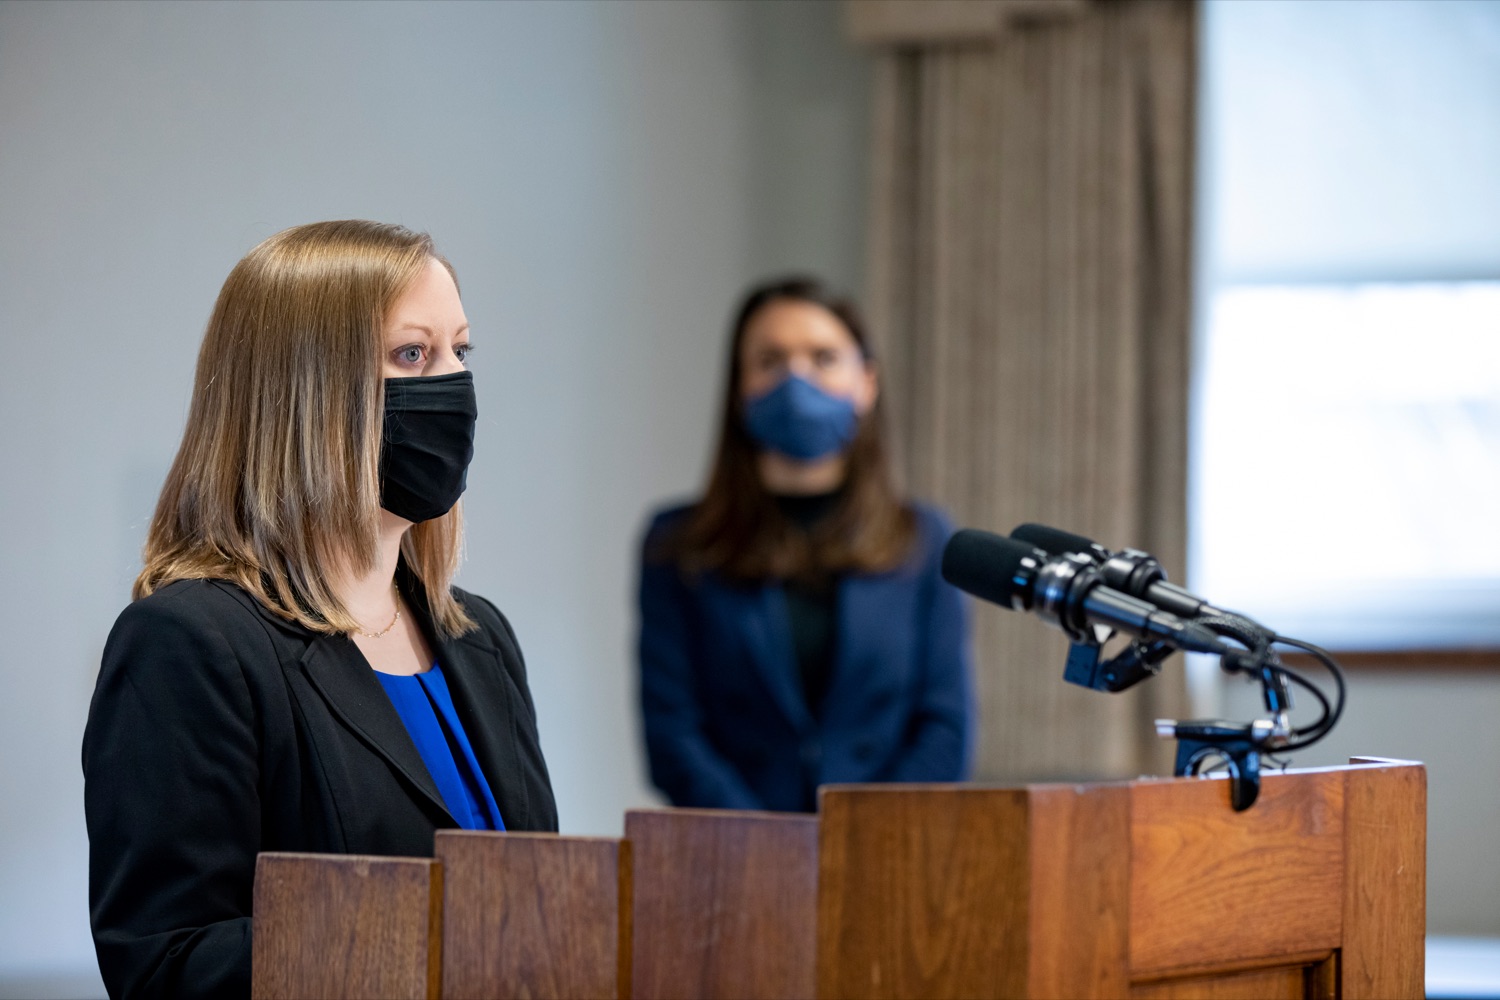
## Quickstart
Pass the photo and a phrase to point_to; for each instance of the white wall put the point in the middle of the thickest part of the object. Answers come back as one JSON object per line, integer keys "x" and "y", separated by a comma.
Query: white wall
{"x": 1361, "y": 142}
{"x": 811, "y": 128}
{"x": 605, "y": 176}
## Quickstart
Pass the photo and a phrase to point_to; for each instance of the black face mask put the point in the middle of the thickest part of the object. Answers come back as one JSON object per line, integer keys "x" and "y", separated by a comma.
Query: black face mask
{"x": 428, "y": 443}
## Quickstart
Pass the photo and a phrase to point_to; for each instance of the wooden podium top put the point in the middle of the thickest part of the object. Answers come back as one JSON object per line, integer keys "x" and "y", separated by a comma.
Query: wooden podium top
{"x": 1147, "y": 889}
{"x": 1116, "y": 889}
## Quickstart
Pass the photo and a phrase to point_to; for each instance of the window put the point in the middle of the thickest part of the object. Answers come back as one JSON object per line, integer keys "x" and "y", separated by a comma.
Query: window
{"x": 1348, "y": 462}
{"x": 1346, "y": 430}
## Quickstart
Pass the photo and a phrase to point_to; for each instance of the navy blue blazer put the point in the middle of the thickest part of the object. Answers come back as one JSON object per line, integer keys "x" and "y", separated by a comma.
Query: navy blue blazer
{"x": 726, "y": 722}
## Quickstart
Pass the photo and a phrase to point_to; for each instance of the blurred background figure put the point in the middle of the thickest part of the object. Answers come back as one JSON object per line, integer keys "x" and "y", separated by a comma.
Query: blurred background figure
{"x": 795, "y": 630}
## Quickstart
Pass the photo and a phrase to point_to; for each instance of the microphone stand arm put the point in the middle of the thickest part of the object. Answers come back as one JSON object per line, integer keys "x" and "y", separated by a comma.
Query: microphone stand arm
{"x": 1203, "y": 742}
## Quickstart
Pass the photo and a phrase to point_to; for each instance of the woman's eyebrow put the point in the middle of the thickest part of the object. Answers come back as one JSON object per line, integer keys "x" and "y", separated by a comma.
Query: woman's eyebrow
{"x": 426, "y": 329}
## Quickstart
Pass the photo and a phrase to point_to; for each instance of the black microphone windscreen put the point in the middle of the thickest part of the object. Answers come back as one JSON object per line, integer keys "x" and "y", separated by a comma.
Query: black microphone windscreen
{"x": 1053, "y": 541}
{"x": 987, "y": 565}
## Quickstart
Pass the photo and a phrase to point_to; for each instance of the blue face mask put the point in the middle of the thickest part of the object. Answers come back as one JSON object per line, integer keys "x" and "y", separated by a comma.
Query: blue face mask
{"x": 800, "y": 420}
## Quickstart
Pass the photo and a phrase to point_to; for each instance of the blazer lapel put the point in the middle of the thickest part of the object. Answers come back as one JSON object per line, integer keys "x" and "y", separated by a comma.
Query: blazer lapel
{"x": 865, "y": 618}
{"x": 345, "y": 681}
{"x": 475, "y": 678}
{"x": 348, "y": 685}
{"x": 768, "y": 634}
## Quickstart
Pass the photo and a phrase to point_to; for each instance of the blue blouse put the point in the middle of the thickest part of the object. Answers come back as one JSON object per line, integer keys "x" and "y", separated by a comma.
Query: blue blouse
{"x": 426, "y": 707}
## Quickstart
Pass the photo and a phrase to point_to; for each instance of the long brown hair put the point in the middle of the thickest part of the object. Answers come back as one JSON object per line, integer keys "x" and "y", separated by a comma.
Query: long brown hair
{"x": 738, "y": 530}
{"x": 276, "y": 482}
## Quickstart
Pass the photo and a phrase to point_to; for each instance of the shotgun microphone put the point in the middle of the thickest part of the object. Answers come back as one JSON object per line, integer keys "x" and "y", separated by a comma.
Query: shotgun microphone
{"x": 1066, "y": 591}
{"x": 1130, "y": 571}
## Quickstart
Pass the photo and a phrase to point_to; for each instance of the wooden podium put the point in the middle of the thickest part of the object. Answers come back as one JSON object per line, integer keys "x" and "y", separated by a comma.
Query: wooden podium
{"x": 1151, "y": 889}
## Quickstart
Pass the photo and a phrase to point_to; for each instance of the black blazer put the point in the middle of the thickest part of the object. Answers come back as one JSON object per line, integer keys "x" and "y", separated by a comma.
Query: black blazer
{"x": 218, "y": 730}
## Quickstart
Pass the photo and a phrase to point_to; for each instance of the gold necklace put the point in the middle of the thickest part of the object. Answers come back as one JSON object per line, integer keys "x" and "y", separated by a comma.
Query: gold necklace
{"x": 394, "y": 620}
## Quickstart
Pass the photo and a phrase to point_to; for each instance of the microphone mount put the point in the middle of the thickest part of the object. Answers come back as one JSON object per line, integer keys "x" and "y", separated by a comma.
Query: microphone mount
{"x": 1205, "y": 744}
{"x": 1079, "y": 564}
{"x": 1138, "y": 662}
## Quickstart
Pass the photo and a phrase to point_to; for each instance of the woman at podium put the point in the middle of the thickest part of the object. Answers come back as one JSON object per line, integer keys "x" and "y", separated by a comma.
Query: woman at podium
{"x": 296, "y": 672}
{"x": 794, "y": 628}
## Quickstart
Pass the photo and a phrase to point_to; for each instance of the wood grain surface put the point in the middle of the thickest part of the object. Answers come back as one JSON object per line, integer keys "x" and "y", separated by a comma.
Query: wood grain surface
{"x": 1080, "y": 890}
{"x": 1385, "y": 885}
{"x": 922, "y": 892}
{"x": 1211, "y": 886}
{"x": 1154, "y": 889}
{"x": 535, "y": 915}
{"x": 724, "y": 904}
{"x": 1277, "y": 983}
{"x": 345, "y": 927}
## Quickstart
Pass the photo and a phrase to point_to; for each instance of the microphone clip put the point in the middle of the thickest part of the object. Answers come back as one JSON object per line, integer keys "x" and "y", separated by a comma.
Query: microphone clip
{"x": 1140, "y": 661}
{"x": 1203, "y": 744}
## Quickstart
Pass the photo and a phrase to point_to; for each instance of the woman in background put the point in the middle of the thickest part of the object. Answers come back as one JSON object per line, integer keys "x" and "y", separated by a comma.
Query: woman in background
{"x": 296, "y": 673}
{"x": 795, "y": 629}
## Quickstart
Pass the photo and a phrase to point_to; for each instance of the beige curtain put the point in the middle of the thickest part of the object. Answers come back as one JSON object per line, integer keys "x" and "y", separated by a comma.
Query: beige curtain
{"x": 1028, "y": 283}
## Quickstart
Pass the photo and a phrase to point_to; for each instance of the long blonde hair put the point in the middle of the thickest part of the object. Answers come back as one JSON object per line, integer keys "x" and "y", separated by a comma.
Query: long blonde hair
{"x": 277, "y": 478}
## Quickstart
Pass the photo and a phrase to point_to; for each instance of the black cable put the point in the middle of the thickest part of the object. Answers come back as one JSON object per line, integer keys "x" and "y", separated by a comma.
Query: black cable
{"x": 1241, "y": 629}
{"x": 1259, "y": 642}
{"x": 1259, "y": 657}
{"x": 1324, "y": 657}
{"x": 1321, "y": 725}
{"x": 1307, "y": 736}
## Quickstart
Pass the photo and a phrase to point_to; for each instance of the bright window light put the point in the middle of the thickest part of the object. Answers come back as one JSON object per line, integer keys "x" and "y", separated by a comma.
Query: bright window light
{"x": 1347, "y": 462}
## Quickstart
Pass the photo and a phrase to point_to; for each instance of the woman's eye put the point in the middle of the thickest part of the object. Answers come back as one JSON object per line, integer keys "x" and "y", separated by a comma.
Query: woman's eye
{"x": 411, "y": 355}
{"x": 826, "y": 359}
{"x": 461, "y": 352}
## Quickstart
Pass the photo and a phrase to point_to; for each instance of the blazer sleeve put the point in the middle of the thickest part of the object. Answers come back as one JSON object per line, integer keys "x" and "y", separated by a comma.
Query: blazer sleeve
{"x": 170, "y": 797}
{"x": 684, "y": 763}
{"x": 939, "y": 740}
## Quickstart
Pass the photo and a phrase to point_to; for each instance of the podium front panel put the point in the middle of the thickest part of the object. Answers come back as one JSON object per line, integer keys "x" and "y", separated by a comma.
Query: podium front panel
{"x": 534, "y": 915}
{"x": 1211, "y": 887}
{"x": 923, "y": 892}
{"x": 346, "y": 927}
{"x": 725, "y": 904}
{"x": 1151, "y": 889}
